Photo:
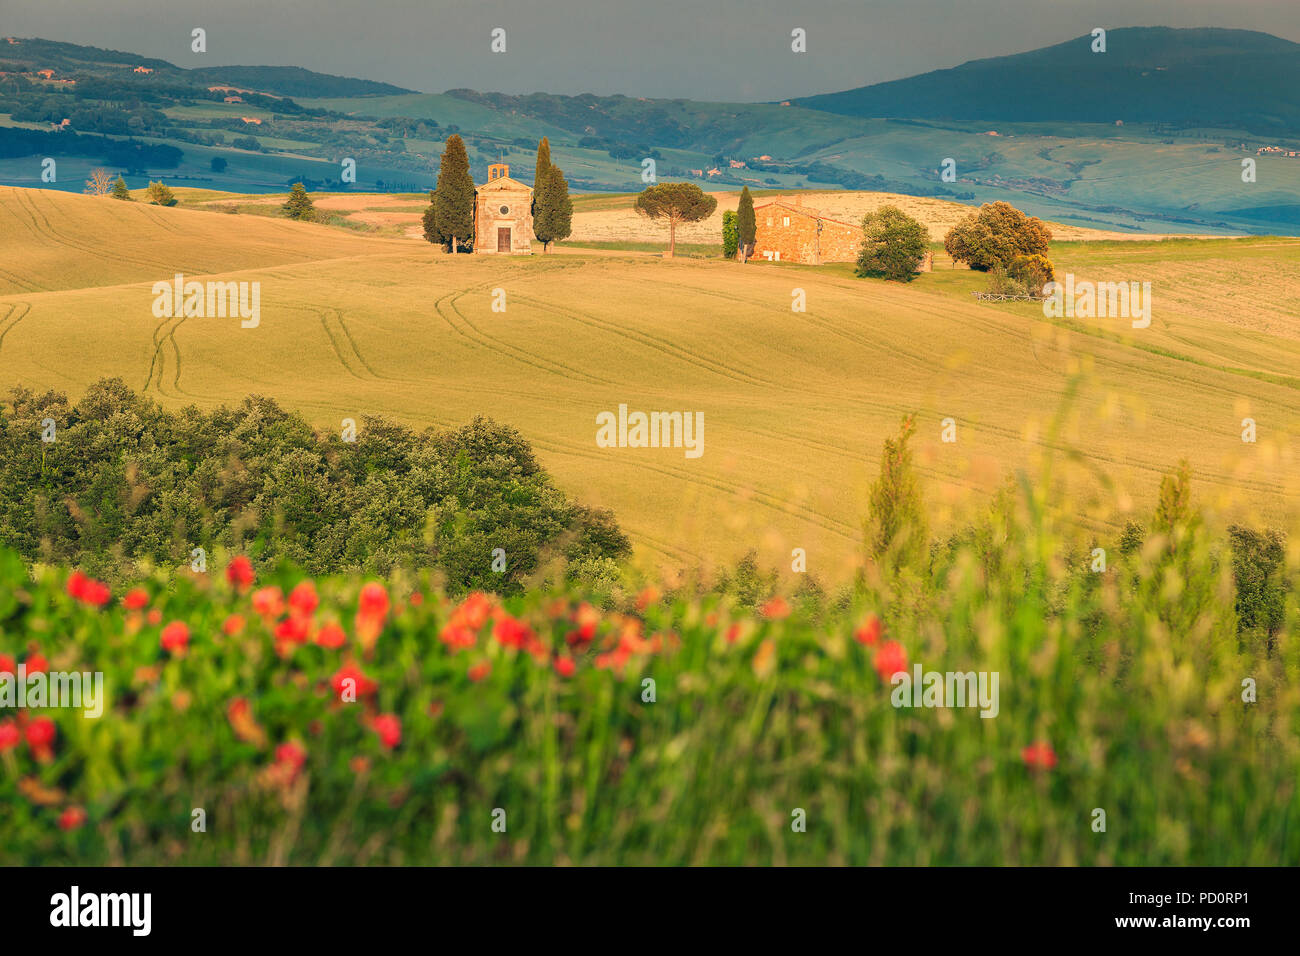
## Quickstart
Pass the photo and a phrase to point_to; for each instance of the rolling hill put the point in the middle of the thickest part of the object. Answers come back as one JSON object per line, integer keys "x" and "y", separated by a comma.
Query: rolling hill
{"x": 795, "y": 404}
{"x": 1233, "y": 79}
{"x": 1195, "y": 103}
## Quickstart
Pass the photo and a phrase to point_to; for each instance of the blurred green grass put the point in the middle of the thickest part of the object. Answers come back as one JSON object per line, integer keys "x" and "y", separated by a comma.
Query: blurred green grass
{"x": 1132, "y": 676}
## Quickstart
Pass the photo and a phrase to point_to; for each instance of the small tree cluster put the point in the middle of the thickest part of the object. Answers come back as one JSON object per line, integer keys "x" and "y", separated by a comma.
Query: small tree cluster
{"x": 161, "y": 195}
{"x": 996, "y": 235}
{"x": 893, "y": 244}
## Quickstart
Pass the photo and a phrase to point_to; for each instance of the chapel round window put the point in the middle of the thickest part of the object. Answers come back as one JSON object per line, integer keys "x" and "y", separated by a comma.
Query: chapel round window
{"x": 505, "y": 210}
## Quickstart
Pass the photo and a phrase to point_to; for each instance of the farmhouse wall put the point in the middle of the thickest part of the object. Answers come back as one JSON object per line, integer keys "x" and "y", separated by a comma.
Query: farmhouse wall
{"x": 788, "y": 232}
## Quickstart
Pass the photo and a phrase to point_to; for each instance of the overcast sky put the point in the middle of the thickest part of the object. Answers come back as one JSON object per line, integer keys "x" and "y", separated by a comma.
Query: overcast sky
{"x": 701, "y": 49}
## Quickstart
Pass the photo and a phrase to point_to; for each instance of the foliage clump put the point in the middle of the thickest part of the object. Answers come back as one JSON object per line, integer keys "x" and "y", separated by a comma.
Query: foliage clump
{"x": 995, "y": 235}
{"x": 127, "y": 481}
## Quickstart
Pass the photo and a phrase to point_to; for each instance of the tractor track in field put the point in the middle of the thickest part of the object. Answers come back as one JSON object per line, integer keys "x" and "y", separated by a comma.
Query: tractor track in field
{"x": 158, "y": 364}
{"x": 6, "y": 329}
{"x": 803, "y": 512}
{"x": 712, "y": 366}
{"x": 506, "y": 350}
{"x": 62, "y": 239}
{"x": 445, "y": 307}
{"x": 156, "y": 215}
{"x": 19, "y": 283}
{"x": 918, "y": 361}
{"x": 324, "y": 314}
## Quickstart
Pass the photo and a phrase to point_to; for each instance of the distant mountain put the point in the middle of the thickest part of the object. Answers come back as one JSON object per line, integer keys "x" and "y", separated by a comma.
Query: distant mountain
{"x": 20, "y": 54}
{"x": 293, "y": 81}
{"x": 1238, "y": 79}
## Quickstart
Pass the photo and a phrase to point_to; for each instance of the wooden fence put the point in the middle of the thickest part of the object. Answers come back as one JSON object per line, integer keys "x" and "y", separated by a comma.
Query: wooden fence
{"x": 1003, "y": 297}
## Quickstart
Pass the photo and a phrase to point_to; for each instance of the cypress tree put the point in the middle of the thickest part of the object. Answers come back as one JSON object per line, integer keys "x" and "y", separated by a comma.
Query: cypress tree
{"x": 120, "y": 191}
{"x": 430, "y": 221}
{"x": 539, "y": 177}
{"x": 298, "y": 205}
{"x": 455, "y": 199}
{"x": 553, "y": 218}
{"x": 746, "y": 224}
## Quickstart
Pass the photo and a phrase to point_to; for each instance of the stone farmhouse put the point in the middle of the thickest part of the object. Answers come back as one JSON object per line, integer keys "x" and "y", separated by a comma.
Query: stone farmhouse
{"x": 792, "y": 232}
{"x": 503, "y": 213}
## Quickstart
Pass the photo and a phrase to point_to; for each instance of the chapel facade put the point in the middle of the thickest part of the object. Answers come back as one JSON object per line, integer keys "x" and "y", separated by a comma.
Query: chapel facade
{"x": 503, "y": 213}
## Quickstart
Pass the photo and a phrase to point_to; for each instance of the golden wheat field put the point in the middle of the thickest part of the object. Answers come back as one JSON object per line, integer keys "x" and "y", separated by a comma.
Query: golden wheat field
{"x": 795, "y": 404}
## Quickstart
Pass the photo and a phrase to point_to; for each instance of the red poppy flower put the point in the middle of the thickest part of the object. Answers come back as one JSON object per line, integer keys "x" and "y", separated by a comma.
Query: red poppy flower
{"x": 87, "y": 590}
{"x": 290, "y": 755}
{"x": 372, "y": 611}
{"x": 389, "y": 729}
{"x": 588, "y": 619}
{"x": 331, "y": 635}
{"x": 775, "y": 609}
{"x": 456, "y": 636}
{"x": 72, "y": 818}
{"x": 360, "y": 683}
{"x": 8, "y": 665}
{"x": 40, "y": 735}
{"x": 480, "y": 671}
{"x": 233, "y": 625}
{"x": 869, "y": 632}
{"x": 565, "y": 667}
{"x": 154, "y": 616}
{"x": 373, "y": 601}
{"x": 293, "y": 630}
{"x": 76, "y": 585}
{"x": 9, "y": 735}
{"x": 175, "y": 637}
{"x": 135, "y": 599}
{"x": 239, "y": 572}
{"x": 303, "y": 600}
{"x": 416, "y": 599}
{"x": 268, "y": 602}
{"x": 511, "y": 632}
{"x": 733, "y": 633}
{"x": 1039, "y": 756}
{"x": 647, "y": 597}
{"x": 36, "y": 663}
{"x": 890, "y": 660}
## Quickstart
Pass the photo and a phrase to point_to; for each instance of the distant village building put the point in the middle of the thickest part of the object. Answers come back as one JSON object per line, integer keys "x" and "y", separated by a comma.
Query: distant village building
{"x": 503, "y": 213}
{"x": 234, "y": 99}
{"x": 792, "y": 232}
{"x": 735, "y": 164}
{"x": 48, "y": 74}
{"x": 143, "y": 69}
{"x": 764, "y": 158}
{"x": 252, "y": 120}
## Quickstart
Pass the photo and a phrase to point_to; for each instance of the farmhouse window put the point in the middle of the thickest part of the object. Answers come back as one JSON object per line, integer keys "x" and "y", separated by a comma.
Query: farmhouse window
{"x": 786, "y": 222}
